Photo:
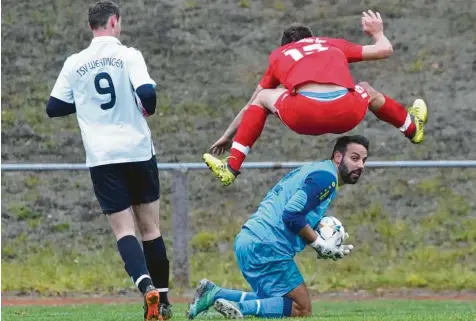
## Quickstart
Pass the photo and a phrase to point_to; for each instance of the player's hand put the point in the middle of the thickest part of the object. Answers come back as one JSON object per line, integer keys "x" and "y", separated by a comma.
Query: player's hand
{"x": 221, "y": 145}
{"x": 333, "y": 248}
{"x": 346, "y": 248}
{"x": 343, "y": 249}
{"x": 326, "y": 249}
{"x": 372, "y": 23}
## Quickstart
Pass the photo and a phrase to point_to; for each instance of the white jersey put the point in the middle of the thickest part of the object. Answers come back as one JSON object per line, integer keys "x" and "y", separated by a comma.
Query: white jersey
{"x": 101, "y": 80}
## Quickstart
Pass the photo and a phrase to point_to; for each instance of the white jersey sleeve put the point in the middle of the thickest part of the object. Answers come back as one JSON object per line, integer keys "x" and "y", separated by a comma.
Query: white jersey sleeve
{"x": 62, "y": 89}
{"x": 137, "y": 69}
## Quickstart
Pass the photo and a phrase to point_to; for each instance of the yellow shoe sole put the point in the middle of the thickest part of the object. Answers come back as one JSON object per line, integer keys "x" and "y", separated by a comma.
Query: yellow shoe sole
{"x": 211, "y": 163}
{"x": 423, "y": 109}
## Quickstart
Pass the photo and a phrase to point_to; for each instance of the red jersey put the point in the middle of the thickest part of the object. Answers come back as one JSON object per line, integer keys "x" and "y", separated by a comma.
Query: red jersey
{"x": 315, "y": 59}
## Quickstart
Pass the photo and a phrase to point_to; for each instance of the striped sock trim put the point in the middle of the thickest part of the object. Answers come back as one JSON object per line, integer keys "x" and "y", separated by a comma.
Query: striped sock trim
{"x": 258, "y": 308}
{"x": 241, "y": 148}
{"x": 140, "y": 278}
{"x": 406, "y": 124}
{"x": 163, "y": 290}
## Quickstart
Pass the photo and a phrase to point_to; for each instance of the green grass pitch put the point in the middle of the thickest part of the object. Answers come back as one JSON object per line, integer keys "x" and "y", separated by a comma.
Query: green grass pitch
{"x": 369, "y": 310}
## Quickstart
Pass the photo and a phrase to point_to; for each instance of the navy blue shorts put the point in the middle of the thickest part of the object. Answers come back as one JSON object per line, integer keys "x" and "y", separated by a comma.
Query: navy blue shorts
{"x": 118, "y": 186}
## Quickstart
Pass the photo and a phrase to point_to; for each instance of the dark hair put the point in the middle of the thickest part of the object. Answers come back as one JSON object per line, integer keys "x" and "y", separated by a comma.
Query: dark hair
{"x": 295, "y": 32}
{"x": 344, "y": 141}
{"x": 100, "y": 12}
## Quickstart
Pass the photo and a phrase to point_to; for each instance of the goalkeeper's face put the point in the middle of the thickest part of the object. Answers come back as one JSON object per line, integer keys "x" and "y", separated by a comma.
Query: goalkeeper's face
{"x": 352, "y": 164}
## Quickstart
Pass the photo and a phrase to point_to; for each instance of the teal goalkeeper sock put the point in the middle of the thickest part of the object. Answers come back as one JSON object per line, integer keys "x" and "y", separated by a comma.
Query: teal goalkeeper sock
{"x": 235, "y": 296}
{"x": 277, "y": 307}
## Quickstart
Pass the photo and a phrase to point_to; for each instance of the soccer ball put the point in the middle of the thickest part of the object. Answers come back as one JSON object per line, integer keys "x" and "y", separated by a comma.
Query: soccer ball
{"x": 328, "y": 226}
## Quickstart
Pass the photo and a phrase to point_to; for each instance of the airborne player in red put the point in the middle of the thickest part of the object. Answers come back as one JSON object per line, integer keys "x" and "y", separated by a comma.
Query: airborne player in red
{"x": 319, "y": 95}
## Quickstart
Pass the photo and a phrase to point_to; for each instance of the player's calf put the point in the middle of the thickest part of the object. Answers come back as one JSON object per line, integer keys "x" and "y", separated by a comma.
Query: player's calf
{"x": 302, "y": 306}
{"x": 251, "y": 126}
{"x": 410, "y": 122}
{"x": 301, "y": 311}
{"x": 122, "y": 224}
{"x": 248, "y": 132}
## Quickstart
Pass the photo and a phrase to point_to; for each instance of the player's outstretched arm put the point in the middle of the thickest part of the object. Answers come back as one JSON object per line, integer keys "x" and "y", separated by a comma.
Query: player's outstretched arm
{"x": 372, "y": 25}
{"x": 224, "y": 142}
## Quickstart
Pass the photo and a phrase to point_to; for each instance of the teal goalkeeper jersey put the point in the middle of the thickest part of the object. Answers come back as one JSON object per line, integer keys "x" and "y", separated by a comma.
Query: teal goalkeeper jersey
{"x": 301, "y": 197}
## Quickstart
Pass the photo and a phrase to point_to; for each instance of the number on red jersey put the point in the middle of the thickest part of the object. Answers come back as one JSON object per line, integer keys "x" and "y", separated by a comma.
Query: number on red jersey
{"x": 298, "y": 53}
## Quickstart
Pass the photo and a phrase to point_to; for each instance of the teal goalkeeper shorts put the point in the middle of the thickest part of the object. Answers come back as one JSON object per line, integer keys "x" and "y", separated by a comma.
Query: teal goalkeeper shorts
{"x": 269, "y": 273}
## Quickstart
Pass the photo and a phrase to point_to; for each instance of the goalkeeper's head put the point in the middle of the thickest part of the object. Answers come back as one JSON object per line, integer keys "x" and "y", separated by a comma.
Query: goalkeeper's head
{"x": 349, "y": 156}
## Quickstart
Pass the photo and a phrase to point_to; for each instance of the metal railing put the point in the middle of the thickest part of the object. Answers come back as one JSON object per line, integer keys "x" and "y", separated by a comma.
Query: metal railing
{"x": 180, "y": 194}
{"x": 251, "y": 165}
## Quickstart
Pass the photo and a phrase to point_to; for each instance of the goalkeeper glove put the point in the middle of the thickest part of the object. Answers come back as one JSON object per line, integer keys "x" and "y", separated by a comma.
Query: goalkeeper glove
{"x": 332, "y": 248}
{"x": 342, "y": 250}
{"x": 325, "y": 248}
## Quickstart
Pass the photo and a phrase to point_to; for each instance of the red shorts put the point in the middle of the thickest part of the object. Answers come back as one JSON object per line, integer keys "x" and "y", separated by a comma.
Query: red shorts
{"x": 307, "y": 116}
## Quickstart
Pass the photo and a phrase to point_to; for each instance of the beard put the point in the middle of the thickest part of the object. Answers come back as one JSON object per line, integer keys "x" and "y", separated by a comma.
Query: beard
{"x": 349, "y": 177}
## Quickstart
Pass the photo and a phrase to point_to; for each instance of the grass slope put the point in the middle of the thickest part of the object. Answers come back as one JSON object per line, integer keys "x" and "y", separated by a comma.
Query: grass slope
{"x": 412, "y": 227}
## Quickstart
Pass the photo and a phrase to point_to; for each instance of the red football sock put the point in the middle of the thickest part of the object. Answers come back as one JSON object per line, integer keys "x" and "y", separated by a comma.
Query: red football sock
{"x": 394, "y": 113}
{"x": 248, "y": 133}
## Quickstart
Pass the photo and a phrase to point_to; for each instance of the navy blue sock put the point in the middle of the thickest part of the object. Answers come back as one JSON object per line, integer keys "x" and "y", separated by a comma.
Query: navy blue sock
{"x": 235, "y": 296}
{"x": 158, "y": 266}
{"x": 276, "y": 307}
{"x": 134, "y": 261}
